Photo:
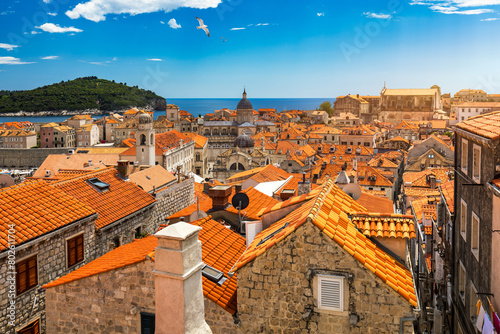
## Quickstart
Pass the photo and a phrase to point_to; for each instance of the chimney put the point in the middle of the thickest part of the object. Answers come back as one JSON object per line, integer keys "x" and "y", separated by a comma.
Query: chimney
{"x": 237, "y": 188}
{"x": 220, "y": 197}
{"x": 123, "y": 168}
{"x": 432, "y": 181}
{"x": 206, "y": 186}
{"x": 303, "y": 187}
{"x": 179, "y": 297}
{"x": 90, "y": 162}
{"x": 286, "y": 194}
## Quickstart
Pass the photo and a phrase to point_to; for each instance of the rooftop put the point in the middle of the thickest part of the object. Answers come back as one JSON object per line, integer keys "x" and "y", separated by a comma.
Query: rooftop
{"x": 487, "y": 125}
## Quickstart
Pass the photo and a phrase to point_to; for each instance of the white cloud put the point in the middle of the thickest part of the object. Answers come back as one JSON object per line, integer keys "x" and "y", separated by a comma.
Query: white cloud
{"x": 54, "y": 28}
{"x": 173, "y": 24}
{"x": 12, "y": 61}
{"x": 378, "y": 15}
{"x": 7, "y": 12}
{"x": 262, "y": 24}
{"x": 50, "y": 58}
{"x": 155, "y": 59}
{"x": 46, "y": 1}
{"x": 237, "y": 29}
{"x": 96, "y": 10}
{"x": 457, "y": 6}
{"x": 320, "y": 14}
{"x": 52, "y": 14}
{"x": 162, "y": 22}
{"x": 491, "y": 19}
{"x": 8, "y": 47}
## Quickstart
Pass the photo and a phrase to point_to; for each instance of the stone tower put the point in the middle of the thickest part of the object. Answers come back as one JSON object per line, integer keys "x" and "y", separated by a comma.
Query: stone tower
{"x": 244, "y": 110}
{"x": 145, "y": 141}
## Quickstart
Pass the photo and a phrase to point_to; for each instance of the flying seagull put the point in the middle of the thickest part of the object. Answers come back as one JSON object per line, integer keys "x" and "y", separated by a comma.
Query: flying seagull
{"x": 223, "y": 40}
{"x": 203, "y": 26}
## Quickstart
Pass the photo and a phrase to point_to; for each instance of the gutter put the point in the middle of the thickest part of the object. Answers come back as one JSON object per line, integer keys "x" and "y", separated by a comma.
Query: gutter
{"x": 49, "y": 235}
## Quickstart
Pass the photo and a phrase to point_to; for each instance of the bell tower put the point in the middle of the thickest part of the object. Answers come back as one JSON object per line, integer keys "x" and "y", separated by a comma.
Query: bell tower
{"x": 145, "y": 141}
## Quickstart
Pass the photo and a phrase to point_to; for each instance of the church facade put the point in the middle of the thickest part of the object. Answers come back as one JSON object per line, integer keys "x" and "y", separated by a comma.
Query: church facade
{"x": 397, "y": 105}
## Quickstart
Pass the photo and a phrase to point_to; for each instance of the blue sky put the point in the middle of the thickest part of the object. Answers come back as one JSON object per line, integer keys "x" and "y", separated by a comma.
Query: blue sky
{"x": 314, "y": 48}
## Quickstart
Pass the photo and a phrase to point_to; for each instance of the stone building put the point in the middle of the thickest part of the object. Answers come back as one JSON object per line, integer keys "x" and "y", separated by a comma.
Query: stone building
{"x": 470, "y": 95}
{"x": 87, "y": 135}
{"x": 477, "y": 198}
{"x": 200, "y": 164}
{"x": 121, "y": 287}
{"x": 46, "y": 233}
{"x": 397, "y": 105}
{"x": 353, "y": 287}
{"x": 430, "y": 153}
{"x": 406, "y": 130}
{"x": 55, "y": 135}
{"x": 359, "y": 135}
{"x": 17, "y": 139}
{"x": 465, "y": 110}
{"x": 363, "y": 107}
{"x": 243, "y": 156}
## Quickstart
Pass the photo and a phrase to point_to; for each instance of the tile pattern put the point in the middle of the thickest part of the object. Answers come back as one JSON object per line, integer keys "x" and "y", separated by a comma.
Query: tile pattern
{"x": 289, "y": 202}
{"x": 36, "y": 208}
{"x": 374, "y": 203}
{"x": 487, "y": 125}
{"x": 122, "y": 199}
{"x": 385, "y": 225}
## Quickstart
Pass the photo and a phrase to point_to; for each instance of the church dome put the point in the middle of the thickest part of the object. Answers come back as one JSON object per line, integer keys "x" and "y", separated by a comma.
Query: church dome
{"x": 244, "y": 102}
{"x": 244, "y": 141}
{"x": 145, "y": 119}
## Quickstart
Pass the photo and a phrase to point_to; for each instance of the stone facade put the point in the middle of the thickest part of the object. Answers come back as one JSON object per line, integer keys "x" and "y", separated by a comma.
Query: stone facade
{"x": 110, "y": 302}
{"x": 172, "y": 200}
{"x": 28, "y": 158}
{"x": 276, "y": 291}
{"x": 220, "y": 321}
{"x": 50, "y": 250}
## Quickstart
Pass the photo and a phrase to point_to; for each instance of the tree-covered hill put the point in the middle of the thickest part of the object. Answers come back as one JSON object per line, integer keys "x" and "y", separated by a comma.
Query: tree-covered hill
{"x": 80, "y": 94}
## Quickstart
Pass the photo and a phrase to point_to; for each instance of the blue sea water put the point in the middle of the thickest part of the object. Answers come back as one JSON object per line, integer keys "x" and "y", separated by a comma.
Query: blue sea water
{"x": 203, "y": 106}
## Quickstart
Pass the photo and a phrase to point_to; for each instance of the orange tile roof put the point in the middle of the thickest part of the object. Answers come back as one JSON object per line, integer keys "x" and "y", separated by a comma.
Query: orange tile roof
{"x": 122, "y": 256}
{"x": 199, "y": 141}
{"x": 428, "y": 229}
{"x": 419, "y": 179}
{"x": 421, "y": 192}
{"x": 385, "y": 225}
{"x": 245, "y": 175}
{"x": 374, "y": 203}
{"x": 422, "y": 207}
{"x": 382, "y": 162}
{"x": 221, "y": 248}
{"x": 36, "y": 208}
{"x": 487, "y": 125}
{"x": 289, "y": 202}
{"x": 122, "y": 199}
{"x": 406, "y": 125}
{"x": 270, "y": 173}
{"x": 258, "y": 201}
{"x": 447, "y": 189}
{"x": 152, "y": 178}
{"x": 398, "y": 138}
{"x": 329, "y": 212}
{"x": 170, "y": 139}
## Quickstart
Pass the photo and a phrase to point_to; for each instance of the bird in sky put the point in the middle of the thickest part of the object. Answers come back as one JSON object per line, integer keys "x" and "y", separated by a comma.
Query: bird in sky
{"x": 223, "y": 39}
{"x": 203, "y": 26}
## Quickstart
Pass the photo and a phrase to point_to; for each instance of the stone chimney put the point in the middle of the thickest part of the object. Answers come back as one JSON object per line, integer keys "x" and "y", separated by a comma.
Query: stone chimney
{"x": 220, "y": 197}
{"x": 286, "y": 194}
{"x": 206, "y": 186}
{"x": 303, "y": 187}
{"x": 237, "y": 188}
{"x": 179, "y": 297}
{"x": 123, "y": 168}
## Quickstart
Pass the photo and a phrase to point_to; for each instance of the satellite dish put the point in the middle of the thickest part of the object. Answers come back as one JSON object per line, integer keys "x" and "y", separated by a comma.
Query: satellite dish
{"x": 6, "y": 181}
{"x": 240, "y": 198}
{"x": 353, "y": 190}
{"x": 197, "y": 215}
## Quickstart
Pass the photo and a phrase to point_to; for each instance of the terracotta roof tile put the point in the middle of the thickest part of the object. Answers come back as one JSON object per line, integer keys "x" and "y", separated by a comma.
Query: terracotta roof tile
{"x": 329, "y": 212}
{"x": 258, "y": 201}
{"x": 289, "y": 202}
{"x": 122, "y": 199}
{"x": 447, "y": 189}
{"x": 374, "y": 203}
{"x": 199, "y": 141}
{"x": 270, "y": 173}
{"x": 487, "y": 125}
{"x": 385, "y": 225}
{"x": 36, "y": 208}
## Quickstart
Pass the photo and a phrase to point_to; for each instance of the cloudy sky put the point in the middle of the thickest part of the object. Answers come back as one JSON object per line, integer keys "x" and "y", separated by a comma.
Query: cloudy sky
{"x": 314, "y": 48}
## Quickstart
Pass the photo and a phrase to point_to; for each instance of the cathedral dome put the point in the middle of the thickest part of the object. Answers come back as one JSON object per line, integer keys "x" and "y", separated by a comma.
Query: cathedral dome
{"x": 244, "y": 102}
{"x": 145, "y": 118}
{"x": 244, "y": 141}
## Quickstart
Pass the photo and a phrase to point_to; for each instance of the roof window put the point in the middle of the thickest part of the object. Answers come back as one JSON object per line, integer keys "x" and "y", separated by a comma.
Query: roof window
{"x": 100, "y": 185}
{"x": 213, "y": 274}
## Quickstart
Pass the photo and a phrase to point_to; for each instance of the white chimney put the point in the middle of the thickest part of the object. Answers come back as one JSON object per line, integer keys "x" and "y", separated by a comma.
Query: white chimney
{"x": 179, "y": 297}
{"x": 47, "y": 173}
{"x": 90, "y": 162}
{"x": 252, "y": 228}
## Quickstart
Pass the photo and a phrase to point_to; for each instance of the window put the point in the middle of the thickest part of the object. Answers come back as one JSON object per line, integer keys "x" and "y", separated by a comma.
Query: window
{"x": 330, "y": 293}
{"x": 430, "y": 156}
{"x": 461, "y": 281}
{"x": 27, "y": 274}
{"x": 147, "y": 323}
{"x": 472, "y": 303}
{"x": 74, "y": 250}
{"x": 100, "y": 185}
{"x": 464, "y": 155}
{"x": 475, "y": 235}
{"x": 33, "y": 328}
{"x": 476, "y": 163}
{"x": 463, "y": 219}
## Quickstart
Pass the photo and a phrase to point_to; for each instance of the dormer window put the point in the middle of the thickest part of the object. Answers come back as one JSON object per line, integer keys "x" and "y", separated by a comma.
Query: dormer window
{"x": 98, "y": 184}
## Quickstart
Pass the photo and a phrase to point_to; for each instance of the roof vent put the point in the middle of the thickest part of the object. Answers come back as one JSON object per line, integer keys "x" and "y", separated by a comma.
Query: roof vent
{"x": 90, "y": 162}
{"x": 47, "y": 173}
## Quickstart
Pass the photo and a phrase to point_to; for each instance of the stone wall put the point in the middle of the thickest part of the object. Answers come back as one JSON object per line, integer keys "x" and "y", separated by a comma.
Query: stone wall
{"x": 51, "y": 257}
{"x": 172, "y": 200}
{"x": 276, "y": 290}
{"x": 27, "y": 158}
{"x": 110, "y": 302}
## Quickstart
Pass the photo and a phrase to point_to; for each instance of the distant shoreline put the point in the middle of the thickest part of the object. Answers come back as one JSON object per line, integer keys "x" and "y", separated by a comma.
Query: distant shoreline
{"x": 92, "y": 112}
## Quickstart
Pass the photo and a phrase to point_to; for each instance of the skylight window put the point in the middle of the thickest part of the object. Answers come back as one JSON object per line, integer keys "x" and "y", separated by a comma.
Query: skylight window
{"x": 213, "y": 274}
{"x": 100, "y": 185}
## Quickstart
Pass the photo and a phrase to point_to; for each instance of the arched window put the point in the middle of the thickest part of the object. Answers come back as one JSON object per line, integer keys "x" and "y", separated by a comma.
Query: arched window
{"x": 152, "y": 139}
{"x": 237, "y": 166}
{"x": 143, "y": 139}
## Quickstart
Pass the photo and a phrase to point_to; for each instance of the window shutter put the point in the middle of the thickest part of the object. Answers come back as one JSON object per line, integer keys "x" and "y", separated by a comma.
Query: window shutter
{"x": 33, "y": 275}
{"x": 21, "y": 277}
{"x": 331, "y": 293}
{"x": 79, "y": 248}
